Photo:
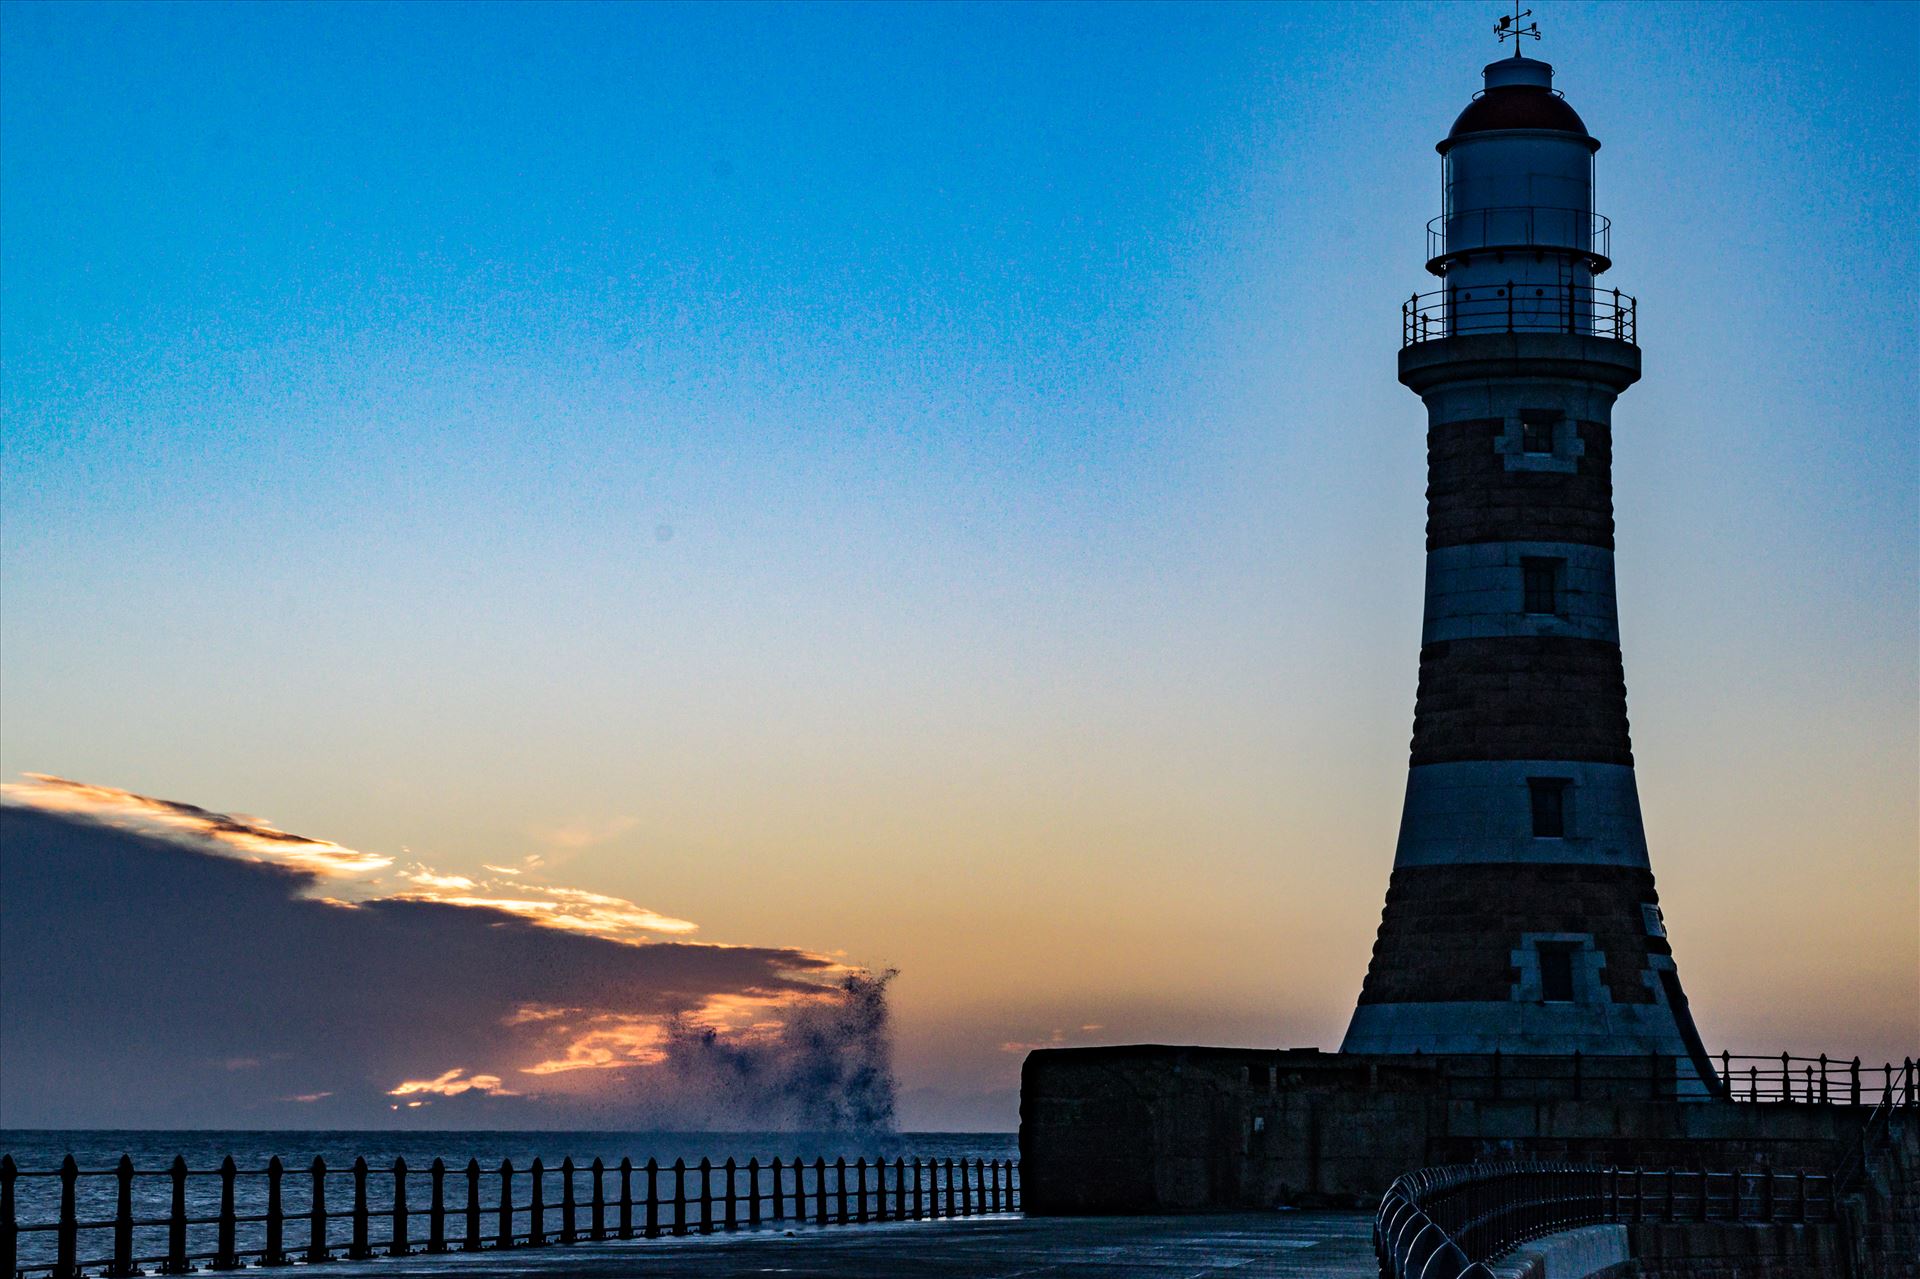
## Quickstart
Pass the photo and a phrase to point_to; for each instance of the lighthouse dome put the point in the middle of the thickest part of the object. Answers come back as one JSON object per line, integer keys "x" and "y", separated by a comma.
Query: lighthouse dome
{"x": 1519, "y": 95}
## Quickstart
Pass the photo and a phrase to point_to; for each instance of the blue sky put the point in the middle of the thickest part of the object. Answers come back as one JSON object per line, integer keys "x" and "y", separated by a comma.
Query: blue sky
{"x": 941, "y": 456}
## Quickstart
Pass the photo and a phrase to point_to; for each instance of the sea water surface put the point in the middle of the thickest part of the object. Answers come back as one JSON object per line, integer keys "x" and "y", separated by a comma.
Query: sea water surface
{"x": 98, "y": 1151}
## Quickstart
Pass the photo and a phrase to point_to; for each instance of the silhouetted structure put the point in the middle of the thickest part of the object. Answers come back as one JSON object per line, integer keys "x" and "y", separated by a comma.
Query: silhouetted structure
{"x": 1521, "y": 916}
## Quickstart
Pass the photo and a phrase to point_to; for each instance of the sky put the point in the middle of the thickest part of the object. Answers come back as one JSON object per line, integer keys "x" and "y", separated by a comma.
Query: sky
{"x": 924, "y": 488}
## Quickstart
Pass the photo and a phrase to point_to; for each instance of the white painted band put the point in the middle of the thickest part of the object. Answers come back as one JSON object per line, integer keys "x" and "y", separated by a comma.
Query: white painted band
{"x": 1478, "y": 590}
{"x": 1480, "y": 811}
{"x": 1512, "y": 1026}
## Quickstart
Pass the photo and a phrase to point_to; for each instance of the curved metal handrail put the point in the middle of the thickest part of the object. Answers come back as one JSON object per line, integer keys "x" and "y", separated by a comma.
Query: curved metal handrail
{"x": 1452, "y": 1222}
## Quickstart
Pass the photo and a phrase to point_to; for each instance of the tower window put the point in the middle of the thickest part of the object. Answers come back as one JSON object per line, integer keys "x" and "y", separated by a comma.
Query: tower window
{"x": 1536, "y": 430}
{"x": 1540, "y": 585}
{"x": 1556, "y": 973}
{"x": 1549, "y": 796}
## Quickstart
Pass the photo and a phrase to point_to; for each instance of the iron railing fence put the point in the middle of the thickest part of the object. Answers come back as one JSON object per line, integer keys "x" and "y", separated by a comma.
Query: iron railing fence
{"x": 1740, "y": 1077}
{"x": 1519, "y": 227}
{"x": 1898, "y": 1096}
{"x": 1519, "y": 308}
{"x": 117, "y": 1221}
{"x": 1820, "y": 1080}
{"x": 1453, "y": 1222}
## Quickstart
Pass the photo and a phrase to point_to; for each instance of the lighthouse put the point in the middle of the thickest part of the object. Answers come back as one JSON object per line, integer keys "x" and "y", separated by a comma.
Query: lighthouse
{"x": 1521, "y": 915}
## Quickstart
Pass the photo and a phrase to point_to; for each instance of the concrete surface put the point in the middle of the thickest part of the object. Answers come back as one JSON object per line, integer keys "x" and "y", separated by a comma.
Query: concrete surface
{"x": 1270, "y": 1245}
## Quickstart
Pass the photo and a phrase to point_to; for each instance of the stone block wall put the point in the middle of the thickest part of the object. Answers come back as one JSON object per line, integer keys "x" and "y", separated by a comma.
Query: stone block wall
{"x": 1154, "y": 1128}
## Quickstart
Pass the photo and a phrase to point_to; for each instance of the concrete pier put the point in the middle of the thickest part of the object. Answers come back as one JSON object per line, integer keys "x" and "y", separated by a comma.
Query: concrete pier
{"x": 1266, "y": 1245}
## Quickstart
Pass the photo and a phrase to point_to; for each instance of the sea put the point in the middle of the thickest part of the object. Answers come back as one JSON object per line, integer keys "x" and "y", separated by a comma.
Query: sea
{"x": 39, "y": 1152}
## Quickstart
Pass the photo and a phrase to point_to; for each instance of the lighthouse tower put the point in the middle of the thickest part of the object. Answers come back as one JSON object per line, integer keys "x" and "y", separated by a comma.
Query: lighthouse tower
{"x": 1521, "y": 915}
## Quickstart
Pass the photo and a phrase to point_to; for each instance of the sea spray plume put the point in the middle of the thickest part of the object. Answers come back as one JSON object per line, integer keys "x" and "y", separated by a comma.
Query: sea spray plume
{"x": 840, "y": 1055}
{"x": 827, "y": 1068}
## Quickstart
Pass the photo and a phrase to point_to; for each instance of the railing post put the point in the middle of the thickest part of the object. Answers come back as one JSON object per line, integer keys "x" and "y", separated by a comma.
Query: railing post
{"x": 223, "y": 1249}
{"x": 819, "y": 1191}
{"x": 122, "y": 1223}
{"x": 275, "y": 1253}
{"x": 470, "y": 1241}
{"x": 899, "y": 1188}
{"x": 1753, "y": 1083}
{"x": 680, "y": 1196}
{"x": 779, "y": 1193}
{"x": 732, "y": 1219}
{"x": 359, "y": 1250}
{"x": 919, "y": 1202}
{"x": 599, "y": 1170}
{"x": 1639, "y": 1195}
{"x": 537, "y": 1206}
{"x": 753, "y": 1190}
{"x": 626, "y": 1197}
{"x": 1786, "y": 1077}
{"x": 706, "y": 1195}
{"x": 879, "y": 1189}
{"x": 437, "y": 1206}
{"x": 653, "y": 1198}
{"x": 505, "y": 1239}
{"x": 1704, "y": 1174}
{"x": 1853, "y": 1081}
{"x": 1767, "y": 1195}
{"x": 67, "y": 1233}
{"x": 840, "y": 1188}
{"x": 176, "y": 1262}
{"x": 950, "y": 1211}
{"x": 400, "y": 1245}
{"x": 569, "y": 1232}
{"x": 9, "y": 1224}
{"x": 860, "y": 1173}
{"x": 317, "y": 1214}
{"x": 1913, "y": 1084}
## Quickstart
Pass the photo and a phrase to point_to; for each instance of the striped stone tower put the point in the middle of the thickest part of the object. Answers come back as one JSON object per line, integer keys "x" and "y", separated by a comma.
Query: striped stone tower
{"x": 1521, "y": 914}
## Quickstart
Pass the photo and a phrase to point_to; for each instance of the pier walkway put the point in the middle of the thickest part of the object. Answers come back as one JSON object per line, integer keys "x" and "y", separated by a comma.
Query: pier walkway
{"x": 1270, "y": 1245}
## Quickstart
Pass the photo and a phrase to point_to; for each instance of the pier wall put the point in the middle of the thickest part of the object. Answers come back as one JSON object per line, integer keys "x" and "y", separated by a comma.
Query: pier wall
{"x": 1154, "y": 1128}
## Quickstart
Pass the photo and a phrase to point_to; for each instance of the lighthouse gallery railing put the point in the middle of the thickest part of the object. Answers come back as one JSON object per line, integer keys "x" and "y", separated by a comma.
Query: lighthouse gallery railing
{"x": 1519, "y": 308}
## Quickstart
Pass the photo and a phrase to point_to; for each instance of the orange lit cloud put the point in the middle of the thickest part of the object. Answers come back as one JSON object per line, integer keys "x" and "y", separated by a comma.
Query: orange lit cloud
{"x": 254, "y": 839}
{"x": 451, "y": 1084}
{"x": 248, "y": 837}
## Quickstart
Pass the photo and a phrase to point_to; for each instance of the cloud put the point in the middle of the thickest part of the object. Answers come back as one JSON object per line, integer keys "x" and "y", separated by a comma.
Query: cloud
{"x": 254, "y": 839}
{"x": 190, "y": 825}
{"x": 451, "y": 1083}
{"x": 140, "y": 958}
{"x": 585, "y": 834}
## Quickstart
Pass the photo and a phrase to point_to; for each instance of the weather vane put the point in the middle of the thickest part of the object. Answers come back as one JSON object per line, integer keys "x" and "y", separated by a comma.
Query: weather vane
{"x": 1509, "y": 28}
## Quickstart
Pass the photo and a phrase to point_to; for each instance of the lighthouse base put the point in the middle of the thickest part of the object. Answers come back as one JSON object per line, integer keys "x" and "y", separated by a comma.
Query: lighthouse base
{"x": 1154, "y": 1128}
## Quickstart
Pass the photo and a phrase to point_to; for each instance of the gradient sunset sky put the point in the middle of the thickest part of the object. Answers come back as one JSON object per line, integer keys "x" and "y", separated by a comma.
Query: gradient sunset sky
{"x": 926, "y": 486}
